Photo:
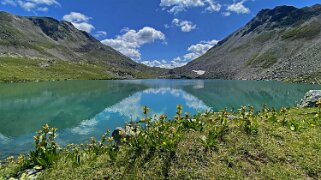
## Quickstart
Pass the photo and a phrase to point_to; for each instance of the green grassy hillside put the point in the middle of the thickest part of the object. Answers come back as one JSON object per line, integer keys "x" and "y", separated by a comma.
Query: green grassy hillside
{"x": 13, "y": 69}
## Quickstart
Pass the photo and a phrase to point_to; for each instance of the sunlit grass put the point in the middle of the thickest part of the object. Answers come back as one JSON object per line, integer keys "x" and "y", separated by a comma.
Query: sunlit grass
{"x": 283, "y": 144}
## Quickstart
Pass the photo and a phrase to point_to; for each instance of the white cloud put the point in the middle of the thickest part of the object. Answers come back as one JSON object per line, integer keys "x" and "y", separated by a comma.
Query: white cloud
{"x": 4, "y": 139}
{"x": 186, "y": 26}
{"x": 164, "y": 64}
{"x": 100, "y": 34}
{"x": 131, "y": 40}
{"x": 238, "y": 8}
{"x": 195, "y": 51}
{"x": 199, "y": 49}
{"x": 43, "y": 9}
{"x": 213, "y": 6}
{"x": 85, "y": 127}
{"x": 30, "y": 5}
{"x": 226, "y": 13}
{"x": 76, "y": 17}
{"x": 166, "y": 26}
{"x": 80, "y": 21}
{"x": 9, "y": 2}
{"x": 176, "y": 6}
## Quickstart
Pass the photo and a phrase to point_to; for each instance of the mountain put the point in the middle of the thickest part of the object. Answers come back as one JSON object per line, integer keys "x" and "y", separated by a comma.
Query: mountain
{"x": 283, "y": 43}
{"x": 43, "y": 48}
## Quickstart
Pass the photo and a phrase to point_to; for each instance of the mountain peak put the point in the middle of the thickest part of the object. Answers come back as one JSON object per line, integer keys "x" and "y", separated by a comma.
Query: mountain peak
{"x": 282, "y": 16}
{"x": 282, "y": 43}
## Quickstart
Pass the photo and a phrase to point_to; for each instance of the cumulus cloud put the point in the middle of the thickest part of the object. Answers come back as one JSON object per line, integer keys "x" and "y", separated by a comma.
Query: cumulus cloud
{"x": 176, "y": 6}
{"x": 185, "y": 26}
{"x": 131, "y": 40}
{"x": 100, "y": 34}
{"x": 30, "y": 5}
{"x": 80, "y": 21}
{"x": 8, "y": 2}
{"x": 213, "y": 6}
{"x": 226, "y": 13}
{"x": 43, "y": 9}
{"x": 165, "y": 64}
{"x": 194, "y": 51}
{"x": 238, "y": 7}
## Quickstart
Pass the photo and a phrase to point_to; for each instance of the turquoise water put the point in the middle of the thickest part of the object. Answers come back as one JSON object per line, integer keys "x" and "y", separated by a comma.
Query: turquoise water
{"x": 84, "y": 109}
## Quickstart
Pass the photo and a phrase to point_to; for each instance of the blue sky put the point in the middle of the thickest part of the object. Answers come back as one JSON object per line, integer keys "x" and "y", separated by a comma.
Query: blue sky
{"x": 164, "y": 33}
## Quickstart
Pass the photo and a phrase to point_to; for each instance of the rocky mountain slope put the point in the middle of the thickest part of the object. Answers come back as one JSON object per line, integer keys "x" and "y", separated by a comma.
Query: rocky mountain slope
{"x": 280, "y": 44}
{"x": 45, "y": 44}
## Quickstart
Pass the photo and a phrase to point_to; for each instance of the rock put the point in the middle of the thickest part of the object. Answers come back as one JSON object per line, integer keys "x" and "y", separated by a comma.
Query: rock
{"x": 13, "y": 178}
{"x": 31, "y": 171}
{"x": 118, "y": 134}
{"x": 23, "y": 176}
{"x": 310, "y": 98}
{"x": 232, "y": 117}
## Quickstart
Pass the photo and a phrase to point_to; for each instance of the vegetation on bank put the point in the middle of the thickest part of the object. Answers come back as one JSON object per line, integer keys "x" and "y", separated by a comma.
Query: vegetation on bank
{"x": 15, "y": 69}
{"x": 278, "y": 144}
{"x": 18, "y": 69}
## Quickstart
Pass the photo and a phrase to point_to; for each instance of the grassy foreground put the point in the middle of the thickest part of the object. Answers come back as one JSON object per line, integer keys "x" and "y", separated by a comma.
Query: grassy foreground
{"x": 270, "y": 144}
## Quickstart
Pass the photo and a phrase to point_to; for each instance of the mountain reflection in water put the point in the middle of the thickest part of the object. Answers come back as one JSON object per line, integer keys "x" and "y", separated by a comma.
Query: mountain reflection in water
{"x": 82, "y": 109}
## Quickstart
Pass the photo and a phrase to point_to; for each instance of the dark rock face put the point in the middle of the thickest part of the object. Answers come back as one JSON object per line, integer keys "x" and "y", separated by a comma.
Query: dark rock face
{"x": 283, "y": 43}
{"x": 310, "y": 98}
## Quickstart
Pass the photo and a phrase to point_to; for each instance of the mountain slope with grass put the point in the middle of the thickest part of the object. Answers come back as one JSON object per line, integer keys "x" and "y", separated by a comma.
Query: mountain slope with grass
{"x": 43, "y": 48}
{"x": 283, "y": 43}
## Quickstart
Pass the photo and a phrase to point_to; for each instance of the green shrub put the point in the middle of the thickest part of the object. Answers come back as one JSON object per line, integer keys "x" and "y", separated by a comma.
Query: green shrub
{"x": 46, "y": 149}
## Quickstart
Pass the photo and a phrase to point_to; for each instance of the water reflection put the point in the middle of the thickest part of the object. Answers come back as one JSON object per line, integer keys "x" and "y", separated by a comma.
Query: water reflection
{"x": 82, "y": 109}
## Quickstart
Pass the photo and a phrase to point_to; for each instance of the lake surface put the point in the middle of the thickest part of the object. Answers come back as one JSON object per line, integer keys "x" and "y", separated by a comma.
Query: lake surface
{"x": 84, "y": 109}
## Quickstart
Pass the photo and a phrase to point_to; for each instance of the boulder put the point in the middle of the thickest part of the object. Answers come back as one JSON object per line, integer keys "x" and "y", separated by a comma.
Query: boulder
{"x": 118, "y": 134}
{"x": 310, "y": 98}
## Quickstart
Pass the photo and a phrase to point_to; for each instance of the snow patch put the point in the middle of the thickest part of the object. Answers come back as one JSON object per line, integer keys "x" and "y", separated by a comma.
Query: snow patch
{"x": 199, "y": 72}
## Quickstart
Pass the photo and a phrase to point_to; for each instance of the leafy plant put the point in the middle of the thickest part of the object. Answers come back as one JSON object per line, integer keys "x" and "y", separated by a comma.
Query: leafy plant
{"x": 250, "y": 124}
{"x": 46, "y": 149}
{"x": 284, "y": 121}
{"x": 318, "y": 104}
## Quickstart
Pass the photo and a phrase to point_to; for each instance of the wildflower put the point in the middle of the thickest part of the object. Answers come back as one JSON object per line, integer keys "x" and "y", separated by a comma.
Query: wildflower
{"x": 10, "y": 159}
{"x": 172, "y": 129}
{"x": 318, "y": 104}
{"x": 36, "y": 138}
{"x": 143, "y": 120}
{"x": 110, "y": 139}
{"x": 145, "y": 110}
{"x": 162, "y": 117}
{"x": 180, "y": 107}
{"x": 204, "y": 138}
{"x": 21, "y": 159}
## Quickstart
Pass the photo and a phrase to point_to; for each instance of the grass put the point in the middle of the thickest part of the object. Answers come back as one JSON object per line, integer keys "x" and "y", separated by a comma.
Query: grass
{"x": 308, "y": 31}
{"x": 265, "y": 60}
{"x": 247, "y": 144}
{"x": 314, "y": 78}
{"x": 18, "y": 69}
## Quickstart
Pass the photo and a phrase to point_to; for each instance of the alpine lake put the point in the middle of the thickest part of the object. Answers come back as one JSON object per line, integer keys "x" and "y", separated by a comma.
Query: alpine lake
{"x": 84, "y": 109}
